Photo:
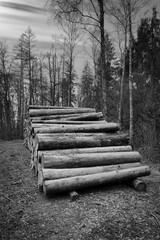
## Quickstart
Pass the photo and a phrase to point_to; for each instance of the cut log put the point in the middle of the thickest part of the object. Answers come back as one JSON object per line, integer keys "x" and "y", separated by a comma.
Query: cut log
{"x": 103, "y": 127}
{"x": 63, "y": 127}
{"x": 51, "y": 174}
{"x": 47, "y": 107}
{"x": 83, "y": 150}
{"x": 75, "y": 117}
{"x": 53, "y": 117}
{"x": 70, "y": 135}
{"x": 89, "y": 159}
{"x": 45, "y": 112}
{"x": 74, "y": 196}
{"x": 79, "y": 141}
{"x": 40, "y": 123}
{"x": 86, "y": 117}
{"x": 138, "y": 185}
{"x": 74, "y": 183}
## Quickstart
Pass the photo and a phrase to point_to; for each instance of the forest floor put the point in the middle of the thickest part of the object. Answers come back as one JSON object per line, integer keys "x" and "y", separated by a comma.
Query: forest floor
{"x": 107, "y": 213}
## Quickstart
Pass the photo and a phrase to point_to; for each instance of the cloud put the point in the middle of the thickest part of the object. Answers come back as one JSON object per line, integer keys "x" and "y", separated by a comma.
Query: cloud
{"x": 21, "y": 7}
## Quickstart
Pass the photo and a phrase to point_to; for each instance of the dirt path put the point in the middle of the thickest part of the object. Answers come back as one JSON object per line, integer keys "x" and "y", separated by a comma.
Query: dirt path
{"x": 112, "y": 212}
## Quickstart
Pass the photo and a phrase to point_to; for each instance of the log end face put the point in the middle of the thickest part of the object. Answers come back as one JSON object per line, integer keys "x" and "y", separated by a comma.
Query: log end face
{"x": 74, "y": 196}
{"x": 139, "y": 185}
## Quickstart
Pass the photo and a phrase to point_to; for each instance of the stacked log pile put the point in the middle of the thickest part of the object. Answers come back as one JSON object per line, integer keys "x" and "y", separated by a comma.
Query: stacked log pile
{"x": 73, "y": 148}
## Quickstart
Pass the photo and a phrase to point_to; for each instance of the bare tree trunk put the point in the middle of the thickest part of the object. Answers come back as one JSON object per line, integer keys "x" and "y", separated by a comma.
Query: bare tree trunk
{"x": 70, "y": 79}
{"x": 41, "y": 82}
{"x": 54, "y": 78}
{"x": 154, "y": 85}
{"x": 103, "y": 65}
{"x": 30, "y": 76}
{"x": 58, "y": 86}
{"x": 130, "y": 76}
{"x": 122, "y": 79}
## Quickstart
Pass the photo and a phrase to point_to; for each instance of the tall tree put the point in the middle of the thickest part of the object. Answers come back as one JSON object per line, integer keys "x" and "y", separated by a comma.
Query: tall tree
{"x": 29, "y": 41}
{"x": 109, "y": 57}
{"x": 147, "y": 59}
{"x": 19, "y": 68}
{"x": 130, "y": 74}
{"x": 118, "y": 9}
{"x": 89, "y": 13}
{"x": 125, "y": 12}
{"x": 6, "y": 84}
{"x": 87, "y": 81}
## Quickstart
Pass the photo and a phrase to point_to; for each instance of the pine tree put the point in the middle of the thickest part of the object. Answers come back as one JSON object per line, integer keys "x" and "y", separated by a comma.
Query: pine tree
{"x": 146, "y": 58}
{"x": 87, "y": 94}
{"x": 6, "y": 87}
{"x": 29, "y": 41}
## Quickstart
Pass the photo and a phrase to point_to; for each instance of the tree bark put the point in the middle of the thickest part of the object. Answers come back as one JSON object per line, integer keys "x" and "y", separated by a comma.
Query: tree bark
{"x": 83, "y": 150}
{"x": 42, "y": 123}
{"x": 89, "y": 159}
{"x": 74, "y": 183}
{"x": 71, "y": 117}
{"x": 103, "y": 61}
{"x": 122, "y": 79}
{"x": 47, "y": 107}
{"x": 86, "y": 116}
{"x": 130, "y": 77}
{"x": 51, "y": 174}
{"x": 61, "y": 128}
{"x": 46, "y": 112}
{"x": 60, "y": 141}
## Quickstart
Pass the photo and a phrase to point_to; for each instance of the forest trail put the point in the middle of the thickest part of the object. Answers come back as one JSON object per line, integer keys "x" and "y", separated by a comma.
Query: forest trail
{"x": 112, "y": 212}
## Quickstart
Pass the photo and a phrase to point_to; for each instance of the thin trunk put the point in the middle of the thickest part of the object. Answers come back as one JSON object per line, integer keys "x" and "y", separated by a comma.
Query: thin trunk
{"x": 41, "y": 82}
{"x": 22, "y": 95}
{"x": 30, "y": 77}
{"x": 103, "y": 65}
{"x": 154, "y": 84}
{"x": 62, "y": 84}
{"x": 130, "y": 76}
{"x": 54, "y": 78}
{"x": 122, "y": 79}
{"x": 70, "y": 80}
{"x": 50, "y": 76}
{"x": 58, "y": 92}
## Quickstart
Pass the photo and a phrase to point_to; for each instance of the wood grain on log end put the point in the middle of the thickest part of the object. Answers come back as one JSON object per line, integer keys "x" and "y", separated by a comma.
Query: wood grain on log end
{"x": 139, "y": 185}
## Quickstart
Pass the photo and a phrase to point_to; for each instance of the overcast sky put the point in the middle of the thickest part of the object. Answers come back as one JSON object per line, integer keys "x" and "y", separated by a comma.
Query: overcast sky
{"x": 17, "y": 15}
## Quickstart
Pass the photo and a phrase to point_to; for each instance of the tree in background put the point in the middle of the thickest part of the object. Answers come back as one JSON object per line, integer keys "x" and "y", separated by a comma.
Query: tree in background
{"x": 93, "y": 84}
{"x": 86, "y": 89}
{"x": 6, "y": 81}
{"x": 19, "y": 69}
{"x": 146, "y": 52}
{"x": 109, "y": 71}
{"x": 29, "y": 41}
{"x": 69, "y": 20}
{"x": 68, "y": 85}
{"x": 125, "y": 12}
{"x": 90, "y": 14}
